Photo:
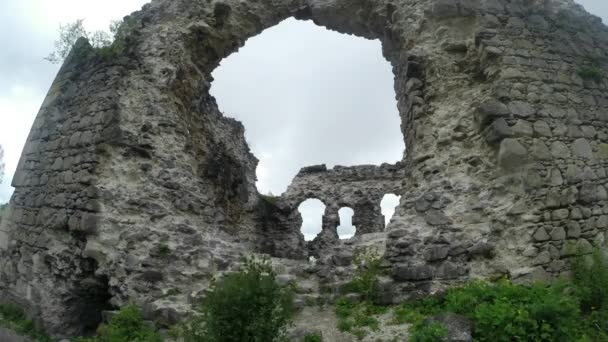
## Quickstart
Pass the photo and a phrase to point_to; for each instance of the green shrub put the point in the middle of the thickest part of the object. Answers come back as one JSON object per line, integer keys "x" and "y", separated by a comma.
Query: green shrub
{"x": 365, "y": 280}
{"x": 270, "y": 198}
{"x": 354, "y": 316}
{"x": 244, "y": 306}
{"x": 407, "y": 314}
{"x": 127, "y": 325}
{"x": 590, "y": 278}
{"x": 315, "y": 337}
{"x": 509, "y": 312}
{"x": 432, "y": 332}
{"x": 12, "y": 317}
{"x": 504, "y": 311}
{"x": 590, "y": 73}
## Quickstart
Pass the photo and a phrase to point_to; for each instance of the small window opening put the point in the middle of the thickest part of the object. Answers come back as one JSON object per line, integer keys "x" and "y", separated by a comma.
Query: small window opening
{"x": 388, "y": 204}
{"x": 311, "y": 211}
{"x": 346, "y": 230}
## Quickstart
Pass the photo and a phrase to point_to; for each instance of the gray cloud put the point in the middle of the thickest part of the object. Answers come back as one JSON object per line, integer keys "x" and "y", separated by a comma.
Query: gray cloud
{"x": 306, "y": 95}
{"x": 23, "y": 50}
{"x": 597, "y": 7}
{"x": 309, "y": 96}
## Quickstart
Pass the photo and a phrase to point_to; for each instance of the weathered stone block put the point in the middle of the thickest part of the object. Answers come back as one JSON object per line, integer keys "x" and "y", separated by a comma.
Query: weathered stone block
{"x": 434, "y": 253}
{"x": 558, "y": 233}
{"x": 406, "y": 272}
{"x": 582, "y": 149}
{"x": 491, "y": 111}
{"x": 512, "y": 154}
{"x": 436, "y": 217}
{"x": 522, "y": 128}
{"x": 541, "y": 128}
{"x": 497, "y": 131}
{"x": 541, "y": 235}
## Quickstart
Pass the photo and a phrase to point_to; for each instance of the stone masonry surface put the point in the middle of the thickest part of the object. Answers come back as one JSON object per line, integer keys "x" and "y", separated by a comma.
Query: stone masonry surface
{"x": 134, "y": 187}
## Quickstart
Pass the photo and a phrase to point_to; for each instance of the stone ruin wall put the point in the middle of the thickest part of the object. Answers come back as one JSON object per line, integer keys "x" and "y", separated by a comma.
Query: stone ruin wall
{"x": 132, "y": 183}
{"x": 360, "y": 188}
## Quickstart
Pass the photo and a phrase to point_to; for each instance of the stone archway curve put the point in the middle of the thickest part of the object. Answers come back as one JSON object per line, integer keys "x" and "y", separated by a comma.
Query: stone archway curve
{"x": 129, "y": 159}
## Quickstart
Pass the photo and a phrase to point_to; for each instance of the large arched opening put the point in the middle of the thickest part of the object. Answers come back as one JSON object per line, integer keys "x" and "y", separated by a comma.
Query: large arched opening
{"x": 308, "y": 96}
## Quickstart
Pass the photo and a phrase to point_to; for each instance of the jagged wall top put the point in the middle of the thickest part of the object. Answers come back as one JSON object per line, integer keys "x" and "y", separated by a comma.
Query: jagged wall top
{"x": 132, "y": 183}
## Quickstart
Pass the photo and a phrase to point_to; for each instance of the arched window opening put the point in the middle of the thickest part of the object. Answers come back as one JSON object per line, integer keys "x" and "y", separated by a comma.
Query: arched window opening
{"x": 388, "y": 204}
{"x": 346, "y": 230}
{"x": 311, "y": 211}
{"x": 306, "y": 95}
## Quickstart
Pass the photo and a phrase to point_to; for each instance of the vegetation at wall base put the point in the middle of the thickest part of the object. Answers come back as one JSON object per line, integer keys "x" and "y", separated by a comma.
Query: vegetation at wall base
{"x": 314, "y": 337}
{"x": 367, "y": 270}
{"x": 127, "y": 325}
{"x": 432, "y": 332}
{"x": 560, "y": 312}
{"x": 244, "y": 306}
{"x": 13, "y": 318}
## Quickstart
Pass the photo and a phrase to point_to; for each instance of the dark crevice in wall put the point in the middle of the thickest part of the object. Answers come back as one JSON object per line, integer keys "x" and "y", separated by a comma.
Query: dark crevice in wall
{"x": 90, "y": 298}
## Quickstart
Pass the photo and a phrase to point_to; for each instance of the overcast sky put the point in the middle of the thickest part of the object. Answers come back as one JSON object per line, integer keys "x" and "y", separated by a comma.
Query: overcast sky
{"x": 305, "y": 95}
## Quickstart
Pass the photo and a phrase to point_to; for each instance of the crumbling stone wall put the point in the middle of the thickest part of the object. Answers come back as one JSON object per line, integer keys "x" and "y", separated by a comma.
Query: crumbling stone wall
{"x": 359, "y": 187}
{"x": 133, "y": 186}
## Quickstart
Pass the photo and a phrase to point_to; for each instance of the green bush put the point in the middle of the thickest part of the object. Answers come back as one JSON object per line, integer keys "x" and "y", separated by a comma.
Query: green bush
{"x": 270, "y": 198}
{"x": 365, "y": 280}
{"x": 504, "y": 311}
{"x": 508, "y": 312}
{"x": 432, "y": 332}
{"x": 244, "y": 306}
{"x": 127, "y": 325}
{"x": 353, "y": 317}
{"x": 315, "y": 337}
{"x": 590, "y": 73}
{"x": 590, "y": 278}
{"x": 12, "y": 317}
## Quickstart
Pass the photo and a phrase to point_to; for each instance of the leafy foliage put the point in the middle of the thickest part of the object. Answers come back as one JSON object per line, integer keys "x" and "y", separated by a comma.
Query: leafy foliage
{"x": 505, "y": 312}
{"x": 428, "y": 332}
{"x": 368, "y": 268}
{"x": 270, "y": 198}
{"x": 315, "y": 337}
{"x": 244, "y": 306}
{"x": 15, "y": 319}
{"x": 127, "y": 325}
{"x": 592, "y": 71}
{"x": 107, "y": 44}
{"x": 354, "y": 316}
{"x": 590, "y": 279}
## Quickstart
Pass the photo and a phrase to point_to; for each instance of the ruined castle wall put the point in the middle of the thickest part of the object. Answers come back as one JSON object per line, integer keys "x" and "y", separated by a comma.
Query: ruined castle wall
{"x": 56, "y": 201}
{"x": 512, "y": 185}
{"x": 360, "y": 188}
{"x": 133, "y": 186}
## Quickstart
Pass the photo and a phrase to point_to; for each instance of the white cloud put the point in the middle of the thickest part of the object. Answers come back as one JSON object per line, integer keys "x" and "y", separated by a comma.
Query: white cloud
{"x": 308, "y": 96}
{"x": 17, "y": 112}
{"x": 596, "y": 7}
{"x": 30, "y": 28}
{"x": 312, "y": 96}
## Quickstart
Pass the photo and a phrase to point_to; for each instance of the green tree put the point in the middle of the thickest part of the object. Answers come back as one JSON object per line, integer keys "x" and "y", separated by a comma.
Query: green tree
{"x": 71, "y": 32}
